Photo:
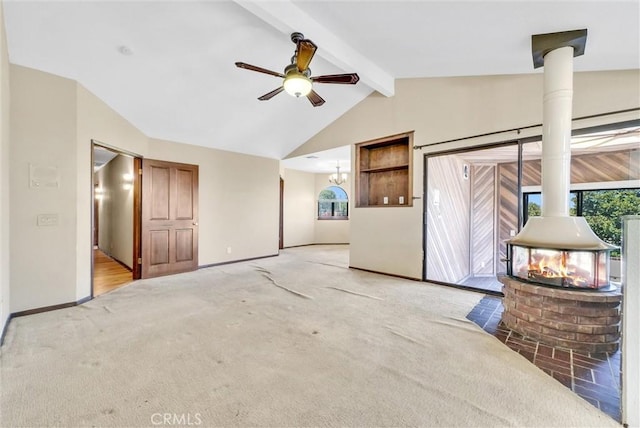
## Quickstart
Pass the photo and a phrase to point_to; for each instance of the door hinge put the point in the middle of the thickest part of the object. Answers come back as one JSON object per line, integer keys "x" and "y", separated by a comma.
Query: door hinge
{"x": 139, "y": 260}
{"x": 140, "y": 171}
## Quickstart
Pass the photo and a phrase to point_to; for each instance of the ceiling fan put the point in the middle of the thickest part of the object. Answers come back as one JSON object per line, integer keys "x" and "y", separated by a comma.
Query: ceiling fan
{"x": 297, "y": 75}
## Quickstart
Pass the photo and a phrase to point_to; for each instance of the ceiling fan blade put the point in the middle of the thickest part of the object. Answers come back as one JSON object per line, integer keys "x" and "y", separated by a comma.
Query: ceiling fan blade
{"x": 344, "y": 79}
{"x": 271, "y": 94}
{"x": 258, "y": 69}
{"x": 306, "y": 50}
{"x": 315, "y": 99}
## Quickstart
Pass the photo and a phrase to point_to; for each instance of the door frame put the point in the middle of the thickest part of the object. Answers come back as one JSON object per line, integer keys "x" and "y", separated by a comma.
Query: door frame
{"x": 137, "y": 218}
{"x": 281, "y": 217}
{"x": 425, "y": 197}
{"x": 137, "y": 210}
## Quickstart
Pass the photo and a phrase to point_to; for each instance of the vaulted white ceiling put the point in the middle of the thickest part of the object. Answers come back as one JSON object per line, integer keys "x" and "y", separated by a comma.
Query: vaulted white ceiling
{"x": 168, "y": 66}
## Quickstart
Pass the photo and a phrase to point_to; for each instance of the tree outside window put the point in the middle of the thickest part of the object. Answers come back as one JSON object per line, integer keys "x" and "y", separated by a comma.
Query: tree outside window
{"x": 333, "y": 204}
{"x": 602, "y": 209}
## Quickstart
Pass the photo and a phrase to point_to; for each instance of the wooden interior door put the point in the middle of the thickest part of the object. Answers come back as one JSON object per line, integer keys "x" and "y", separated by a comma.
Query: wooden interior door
{"x": 169, "y": 218}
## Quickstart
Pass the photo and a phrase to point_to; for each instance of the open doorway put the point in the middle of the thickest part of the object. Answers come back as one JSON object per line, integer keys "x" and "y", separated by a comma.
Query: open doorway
{"x": 471, "y": 210}
{"x": 116, "y": 219}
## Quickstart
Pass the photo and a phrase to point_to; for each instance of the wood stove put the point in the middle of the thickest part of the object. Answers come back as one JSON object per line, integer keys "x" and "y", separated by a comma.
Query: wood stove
{"x": 556, "y": 257}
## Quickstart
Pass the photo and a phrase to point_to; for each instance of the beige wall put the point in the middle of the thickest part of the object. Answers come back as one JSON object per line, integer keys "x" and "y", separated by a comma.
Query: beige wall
{"x": 115, "y": 209}
{"x": 301, "y": 224}
{"x": 103, "y": 208}
{"x": 43, "y": 134}
{"x": 54, "y": 121}
{"x": 390, "y": 239}
{"x": 4, "y": 177}
{"x": 239, "y": 201}
{"x": 299, "y": 208}
{"x": 331, "y": 231}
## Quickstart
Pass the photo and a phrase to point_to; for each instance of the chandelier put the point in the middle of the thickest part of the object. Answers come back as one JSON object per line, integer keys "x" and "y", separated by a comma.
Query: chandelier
{"x": 337, "y": 178}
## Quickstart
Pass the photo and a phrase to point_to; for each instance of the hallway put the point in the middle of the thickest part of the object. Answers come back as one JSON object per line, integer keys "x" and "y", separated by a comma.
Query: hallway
{"x": 108, "y": 274}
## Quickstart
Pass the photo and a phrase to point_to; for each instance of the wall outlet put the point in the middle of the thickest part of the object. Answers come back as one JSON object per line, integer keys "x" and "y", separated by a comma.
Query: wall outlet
{"x": 401, "y": 200}
{"x": 385, "y": 200}
{"x": 512, "y": 232}
{"x": 228, "y": 250}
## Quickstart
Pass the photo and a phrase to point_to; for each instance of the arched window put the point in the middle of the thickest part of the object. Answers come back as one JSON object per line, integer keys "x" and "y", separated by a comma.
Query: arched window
{"x": 333, "y": 204}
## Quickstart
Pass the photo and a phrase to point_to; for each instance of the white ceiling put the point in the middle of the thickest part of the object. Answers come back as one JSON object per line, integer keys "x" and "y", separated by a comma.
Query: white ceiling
{"x": 324, "y": 161}
{"x": 179, "y": 82}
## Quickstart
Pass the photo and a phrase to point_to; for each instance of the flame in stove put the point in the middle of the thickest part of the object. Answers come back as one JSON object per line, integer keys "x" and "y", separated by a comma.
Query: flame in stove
{"x": 555, "y": 266}
{"x": 550, "y": 267}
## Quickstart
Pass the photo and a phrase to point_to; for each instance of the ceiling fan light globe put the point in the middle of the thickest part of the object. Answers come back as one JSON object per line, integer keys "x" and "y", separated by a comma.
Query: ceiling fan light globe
{"x": 297, "y": 85}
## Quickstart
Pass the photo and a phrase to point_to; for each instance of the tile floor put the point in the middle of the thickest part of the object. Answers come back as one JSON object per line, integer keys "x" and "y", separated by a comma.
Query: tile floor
{"x": 594, "y": 377}
{"x": 485, "y": 283}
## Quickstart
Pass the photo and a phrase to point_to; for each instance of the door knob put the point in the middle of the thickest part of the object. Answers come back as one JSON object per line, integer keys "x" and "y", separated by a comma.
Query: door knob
{"x": 195, "y": 223}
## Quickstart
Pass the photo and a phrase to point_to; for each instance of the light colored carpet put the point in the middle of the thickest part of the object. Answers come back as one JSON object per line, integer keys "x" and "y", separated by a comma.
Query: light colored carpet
{"x": 236, "y": 346}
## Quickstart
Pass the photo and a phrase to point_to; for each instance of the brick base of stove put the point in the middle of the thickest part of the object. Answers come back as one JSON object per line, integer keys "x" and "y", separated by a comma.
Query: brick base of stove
{"x": 579, "y": 320}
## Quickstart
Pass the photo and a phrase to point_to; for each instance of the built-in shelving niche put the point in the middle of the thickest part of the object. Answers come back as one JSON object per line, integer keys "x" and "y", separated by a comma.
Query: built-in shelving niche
{"x": 384, "y": 172}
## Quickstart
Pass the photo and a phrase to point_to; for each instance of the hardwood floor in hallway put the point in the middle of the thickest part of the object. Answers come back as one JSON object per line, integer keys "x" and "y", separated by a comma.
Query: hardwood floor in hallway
{"x": 108, "y": 274}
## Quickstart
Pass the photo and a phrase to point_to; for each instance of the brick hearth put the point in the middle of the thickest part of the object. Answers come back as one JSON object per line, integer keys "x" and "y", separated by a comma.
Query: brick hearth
{"x": 579, "y": 320}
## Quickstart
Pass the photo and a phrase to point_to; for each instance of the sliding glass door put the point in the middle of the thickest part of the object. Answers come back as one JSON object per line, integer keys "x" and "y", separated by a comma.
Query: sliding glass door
{"x": 476, "y": 200}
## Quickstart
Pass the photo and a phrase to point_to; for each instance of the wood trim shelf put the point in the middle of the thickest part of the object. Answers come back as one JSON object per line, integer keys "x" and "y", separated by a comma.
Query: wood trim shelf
{"x": 386, "y": 168}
